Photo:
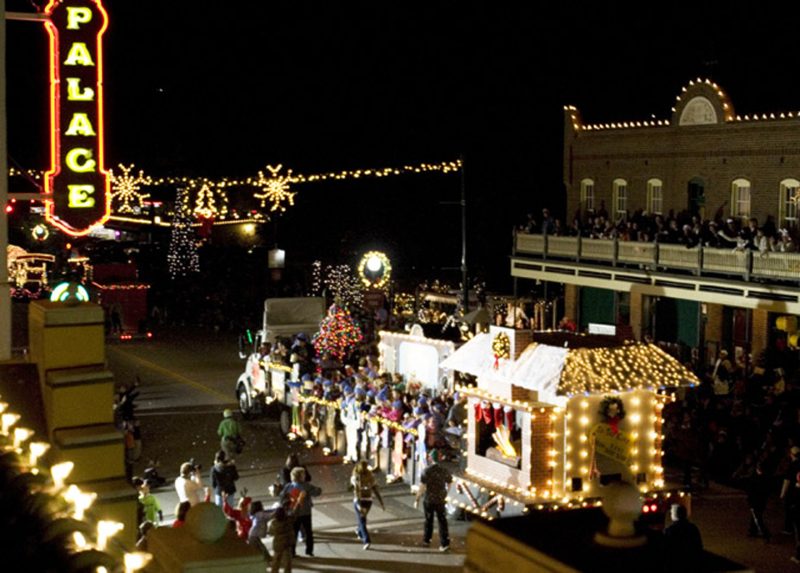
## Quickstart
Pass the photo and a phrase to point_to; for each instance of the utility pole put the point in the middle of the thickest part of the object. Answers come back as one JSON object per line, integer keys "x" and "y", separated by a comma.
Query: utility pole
{"x": 464, "y": 284}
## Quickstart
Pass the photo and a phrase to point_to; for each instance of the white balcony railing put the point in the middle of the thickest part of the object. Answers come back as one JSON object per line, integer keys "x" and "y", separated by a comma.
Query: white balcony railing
{"x": 699, "y": 260}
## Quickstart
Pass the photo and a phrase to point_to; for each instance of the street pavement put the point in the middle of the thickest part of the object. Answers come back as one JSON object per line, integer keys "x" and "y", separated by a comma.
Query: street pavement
{"x": 184, "y": 388}
{"x": 187, "y": 379}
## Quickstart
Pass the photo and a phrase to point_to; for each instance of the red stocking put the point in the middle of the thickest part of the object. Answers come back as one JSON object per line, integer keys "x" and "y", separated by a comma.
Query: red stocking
{"x": 498, "y": 415}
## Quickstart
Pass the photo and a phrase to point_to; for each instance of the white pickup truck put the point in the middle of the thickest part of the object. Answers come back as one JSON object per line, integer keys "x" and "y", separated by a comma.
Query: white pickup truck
{"x": 263, "y": 383}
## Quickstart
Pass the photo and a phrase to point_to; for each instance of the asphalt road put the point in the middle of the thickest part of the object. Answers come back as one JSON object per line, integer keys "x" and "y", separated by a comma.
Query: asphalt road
{"x": 187, "y": 379}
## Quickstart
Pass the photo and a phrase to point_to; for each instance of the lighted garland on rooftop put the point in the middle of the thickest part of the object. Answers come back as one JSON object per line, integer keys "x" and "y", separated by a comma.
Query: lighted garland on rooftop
{"x": 628, "y": 367}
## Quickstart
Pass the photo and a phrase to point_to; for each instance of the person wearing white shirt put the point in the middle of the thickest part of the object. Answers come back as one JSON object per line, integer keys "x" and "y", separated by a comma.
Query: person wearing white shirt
{"x": 189, "y": 484}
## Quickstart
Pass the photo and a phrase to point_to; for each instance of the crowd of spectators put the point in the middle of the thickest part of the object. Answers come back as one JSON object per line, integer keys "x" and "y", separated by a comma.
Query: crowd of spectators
{"x": 681, "y": 228}
{"x": 741, "y": 427}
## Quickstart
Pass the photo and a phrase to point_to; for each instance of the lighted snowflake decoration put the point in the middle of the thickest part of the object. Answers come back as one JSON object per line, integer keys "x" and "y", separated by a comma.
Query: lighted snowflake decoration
{"x": 275, "y": 188}
{"x": 126, "y": 189}
{"x": 210, "y": 202}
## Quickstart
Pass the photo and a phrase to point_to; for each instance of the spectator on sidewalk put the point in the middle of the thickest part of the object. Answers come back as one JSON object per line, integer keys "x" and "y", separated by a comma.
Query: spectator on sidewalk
{"x": 434, "y": 484}
{"x": 683, "y": 545}
{"x": 189, "y": 485}
{"x": 180, "y": 513}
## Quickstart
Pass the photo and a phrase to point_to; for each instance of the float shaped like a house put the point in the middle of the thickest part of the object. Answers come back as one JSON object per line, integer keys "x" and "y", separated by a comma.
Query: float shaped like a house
{"x": 555, "y": 416}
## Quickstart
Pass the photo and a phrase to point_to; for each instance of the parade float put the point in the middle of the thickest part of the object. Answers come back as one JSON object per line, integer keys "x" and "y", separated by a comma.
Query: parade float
{"x": 556, "y": 416}
{"x": 417, "y": 357}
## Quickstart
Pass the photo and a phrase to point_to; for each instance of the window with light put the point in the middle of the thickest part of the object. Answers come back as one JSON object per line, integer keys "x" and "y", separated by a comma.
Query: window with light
{"x": 655, "y": 196}
{"x": 740, "y": 198}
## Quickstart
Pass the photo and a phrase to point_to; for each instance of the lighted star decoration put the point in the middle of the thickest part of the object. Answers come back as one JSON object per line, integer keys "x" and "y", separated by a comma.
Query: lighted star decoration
{"x": 275, "y": 188}
{"x": 126, "y": 189}
{"x": 210, "y": 202}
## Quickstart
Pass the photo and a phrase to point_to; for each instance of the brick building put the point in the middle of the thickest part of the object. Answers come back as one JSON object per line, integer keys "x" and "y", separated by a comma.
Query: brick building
{"x": 704, "y": 157}
{"x": 705, "y": 160}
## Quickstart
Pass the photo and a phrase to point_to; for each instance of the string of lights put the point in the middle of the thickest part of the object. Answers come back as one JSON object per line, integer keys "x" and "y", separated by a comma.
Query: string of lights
{"x": 272, "y": 186}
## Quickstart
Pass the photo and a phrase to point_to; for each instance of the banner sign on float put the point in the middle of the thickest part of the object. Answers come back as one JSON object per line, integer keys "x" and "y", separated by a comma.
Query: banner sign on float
{"x": 77, "y": 186}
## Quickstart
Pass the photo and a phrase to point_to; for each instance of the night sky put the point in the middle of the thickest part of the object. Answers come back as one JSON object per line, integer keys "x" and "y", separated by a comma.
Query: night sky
{"x": 223, "y": 89}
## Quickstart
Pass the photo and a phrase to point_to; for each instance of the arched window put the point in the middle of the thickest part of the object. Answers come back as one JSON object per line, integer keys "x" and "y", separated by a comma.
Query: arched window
{"x": 587, "y": 195}
{"x": 787, "y": 206}
{"x": 655, "y": 197}
{"x": 620, "y": 198}
{"x": 740, "y": 198}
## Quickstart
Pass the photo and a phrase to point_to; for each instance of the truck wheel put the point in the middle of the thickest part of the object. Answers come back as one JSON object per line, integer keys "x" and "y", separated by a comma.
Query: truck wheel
{"x": 245, "y": 405}
{"x": 286, "y": 421}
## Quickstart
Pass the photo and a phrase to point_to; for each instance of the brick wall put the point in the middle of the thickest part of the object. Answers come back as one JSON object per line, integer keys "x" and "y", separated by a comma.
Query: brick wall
{"x": 765, "y": 152}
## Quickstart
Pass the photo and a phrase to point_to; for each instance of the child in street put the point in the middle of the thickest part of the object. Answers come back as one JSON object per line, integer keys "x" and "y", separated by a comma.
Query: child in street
{"x": 281, "y": 529}
{"x": 152, "y": 509}
{"x": 258, "y": 530}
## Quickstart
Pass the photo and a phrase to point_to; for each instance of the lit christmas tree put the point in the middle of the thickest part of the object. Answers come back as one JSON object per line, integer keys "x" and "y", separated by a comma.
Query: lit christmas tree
{"x": 182, "y": 258}
{"x": 338, "y": 333}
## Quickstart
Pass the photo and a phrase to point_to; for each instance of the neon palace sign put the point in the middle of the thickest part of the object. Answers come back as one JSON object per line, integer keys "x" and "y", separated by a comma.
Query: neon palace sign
{"x": 77, "y": 185}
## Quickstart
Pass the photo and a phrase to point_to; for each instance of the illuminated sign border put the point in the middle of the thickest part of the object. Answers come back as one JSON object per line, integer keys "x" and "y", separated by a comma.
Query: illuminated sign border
{"x": 55, "y": 124}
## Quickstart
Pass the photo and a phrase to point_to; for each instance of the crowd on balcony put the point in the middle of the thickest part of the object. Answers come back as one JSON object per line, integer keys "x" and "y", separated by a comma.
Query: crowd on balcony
{"x": 676, "y": 229}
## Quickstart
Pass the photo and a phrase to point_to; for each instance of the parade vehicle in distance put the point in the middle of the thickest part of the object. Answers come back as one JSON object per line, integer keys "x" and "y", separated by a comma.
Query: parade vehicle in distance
{"x": 555, "y": 416}
{"x": 264, "y": 383}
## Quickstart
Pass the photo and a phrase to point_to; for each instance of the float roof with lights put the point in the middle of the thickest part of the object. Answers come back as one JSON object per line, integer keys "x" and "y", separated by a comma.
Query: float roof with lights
{"x": 559, "y": 365}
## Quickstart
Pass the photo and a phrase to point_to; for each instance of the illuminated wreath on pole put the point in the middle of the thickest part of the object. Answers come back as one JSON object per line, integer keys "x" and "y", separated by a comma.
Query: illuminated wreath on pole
{"x": 501, "y": 347}
{"x": 375, "y": 269}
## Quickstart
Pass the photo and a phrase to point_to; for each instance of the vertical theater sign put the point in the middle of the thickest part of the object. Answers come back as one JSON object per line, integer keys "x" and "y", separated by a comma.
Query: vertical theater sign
{"x": 77, "y": 186}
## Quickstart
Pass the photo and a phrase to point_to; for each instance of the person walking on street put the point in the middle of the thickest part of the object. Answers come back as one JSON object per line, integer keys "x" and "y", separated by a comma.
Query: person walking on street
{"x": 283, "y": 538}
{"x": 292, "y": 461}
{"x": 435, "y": 481}
{"x": 223, "y": 478}
{"x": 683, "y": 545}
{"x": 189, "y": 485}
{"x": 364, "y": 486}
{"x": 229, "y": 432}
{"x": 296, "y": 497}
{"x": 258, "y": 528}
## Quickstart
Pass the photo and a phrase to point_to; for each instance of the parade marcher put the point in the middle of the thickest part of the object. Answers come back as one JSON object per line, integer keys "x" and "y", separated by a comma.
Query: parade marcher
{"x": 683, "y": 545}
{"x": 189, "y": 485}
{"x": 296, "y": 497}
{"x": 434, "y": 483}
{"x": 223, "y": 478}
{"x": 364, "y": 486}
{"x": 281, "y": 529}
{"x": 230, "y": 434}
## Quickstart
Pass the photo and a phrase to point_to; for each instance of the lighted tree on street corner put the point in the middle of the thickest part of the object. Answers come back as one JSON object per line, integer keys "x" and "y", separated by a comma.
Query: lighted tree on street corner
{"x": 338, "y": 333}
{"x": 182, "y": 257}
